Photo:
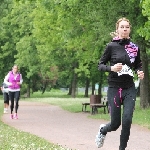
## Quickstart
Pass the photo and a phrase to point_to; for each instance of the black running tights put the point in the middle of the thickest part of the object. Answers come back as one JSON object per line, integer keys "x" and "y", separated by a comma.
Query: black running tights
{"x": 14, "y": 96}
{"x": 116, "y": 98}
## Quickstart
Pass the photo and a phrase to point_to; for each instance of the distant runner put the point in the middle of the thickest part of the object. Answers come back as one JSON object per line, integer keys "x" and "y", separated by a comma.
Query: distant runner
{"x": 14, "y": 80}
{"x": 5, "y": 91}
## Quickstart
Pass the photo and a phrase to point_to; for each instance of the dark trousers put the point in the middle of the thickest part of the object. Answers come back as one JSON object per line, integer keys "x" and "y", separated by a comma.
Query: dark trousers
{"x": 6, "y": 98}
{"x": 116, "y": 98}
{"x": 14, "y": 96}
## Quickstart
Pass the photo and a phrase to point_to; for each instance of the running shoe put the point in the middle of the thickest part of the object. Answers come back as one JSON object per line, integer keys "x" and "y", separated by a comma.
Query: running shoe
{"x": 100, "y": 137}
{"x": 5, "y": 110}
{"x": 11, "y": 116}
{"x": 15, "y": 116}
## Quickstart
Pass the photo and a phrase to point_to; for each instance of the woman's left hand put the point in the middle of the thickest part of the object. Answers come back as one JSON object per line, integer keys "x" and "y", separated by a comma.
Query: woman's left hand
{"x": 140, "y": 74}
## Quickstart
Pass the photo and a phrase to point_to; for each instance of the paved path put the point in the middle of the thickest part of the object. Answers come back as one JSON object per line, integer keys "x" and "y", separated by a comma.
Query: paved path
{"x": 72, "y": 130}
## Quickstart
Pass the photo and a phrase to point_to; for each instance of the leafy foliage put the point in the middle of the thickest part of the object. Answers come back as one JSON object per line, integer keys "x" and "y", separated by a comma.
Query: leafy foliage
{"x": 53, "y": 40}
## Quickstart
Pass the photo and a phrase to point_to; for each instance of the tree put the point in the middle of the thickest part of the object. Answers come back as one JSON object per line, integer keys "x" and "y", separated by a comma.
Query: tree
{"x": 25, "y": 44}
{"x": 144, "y": 32}
{"x": 108, "y": 8}
{"x": 7, "y": 48}
{"x": 76, "y": 32}
{"x": 70, "y": 31}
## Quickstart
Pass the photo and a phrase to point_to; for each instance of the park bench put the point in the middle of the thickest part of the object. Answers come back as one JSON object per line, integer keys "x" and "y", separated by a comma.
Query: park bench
{"x": 84, "y": 105}
{"x": 94, "y": 99}
{"x": 95, "y": 102}
{"x": 100, "y": 105}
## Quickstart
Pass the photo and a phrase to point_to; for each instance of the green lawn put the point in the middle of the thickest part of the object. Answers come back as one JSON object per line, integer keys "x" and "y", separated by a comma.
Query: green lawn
{"x": 12, "y": 139}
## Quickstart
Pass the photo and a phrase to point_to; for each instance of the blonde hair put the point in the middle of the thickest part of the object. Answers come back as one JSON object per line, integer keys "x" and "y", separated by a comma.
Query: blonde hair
{"x": 114, "y": 34}
{"x": 122, "y": 19}
{"x": 15, "y": 66}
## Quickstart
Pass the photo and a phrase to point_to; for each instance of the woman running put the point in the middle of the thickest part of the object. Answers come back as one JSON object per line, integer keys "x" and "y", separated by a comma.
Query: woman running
{"x": 123, "y": 57}
{"x": 14, "y": 80}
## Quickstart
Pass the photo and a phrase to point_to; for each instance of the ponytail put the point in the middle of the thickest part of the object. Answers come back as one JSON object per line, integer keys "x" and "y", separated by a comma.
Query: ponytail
{"x": 113, "y": 34}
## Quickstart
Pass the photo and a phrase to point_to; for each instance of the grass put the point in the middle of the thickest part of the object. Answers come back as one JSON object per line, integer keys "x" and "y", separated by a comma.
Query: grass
{"x": 141, "y": 116}
{"x": 55, "y": 94}
{"x": 52, "y": 93}
{"x": 12, "y": 139}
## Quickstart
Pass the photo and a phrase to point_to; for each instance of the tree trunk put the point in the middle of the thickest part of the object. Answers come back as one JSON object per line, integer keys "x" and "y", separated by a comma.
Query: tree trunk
{"x": 74, "y": 84}
{"x": 144, "y": 84}
{"x": 100, "y": 89}
{"x": 93, "y": 87}
{"x": 44, "y": 86}
{"x": 100, "y": 84}
{"x": 86, "y": 87}
{"x": 138, "y": 91}
{"x": 70, "y": 89}
{"x": 28, "y": 90}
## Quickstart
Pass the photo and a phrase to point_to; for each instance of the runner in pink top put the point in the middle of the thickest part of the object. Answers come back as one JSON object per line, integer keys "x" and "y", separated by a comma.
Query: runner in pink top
{"x": 14, "y": 80}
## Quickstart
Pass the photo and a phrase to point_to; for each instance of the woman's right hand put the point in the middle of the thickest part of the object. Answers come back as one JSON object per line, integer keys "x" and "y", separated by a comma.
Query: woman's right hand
{"x": 117, "y": 67}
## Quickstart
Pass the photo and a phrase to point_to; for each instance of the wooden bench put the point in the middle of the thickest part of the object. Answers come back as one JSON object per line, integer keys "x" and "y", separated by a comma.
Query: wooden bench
{"x": 100, "y": 105}
{"x": 95, "y": 103}
{"x": 84, "y": 105}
